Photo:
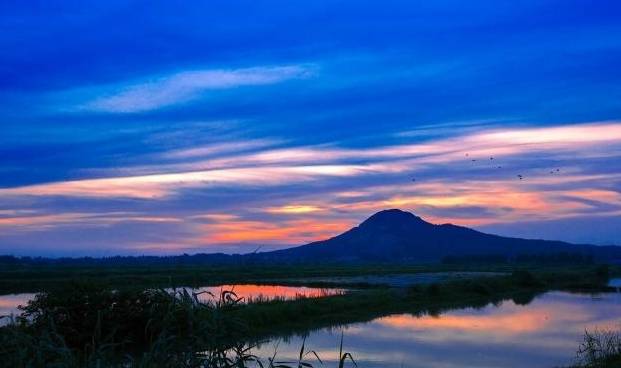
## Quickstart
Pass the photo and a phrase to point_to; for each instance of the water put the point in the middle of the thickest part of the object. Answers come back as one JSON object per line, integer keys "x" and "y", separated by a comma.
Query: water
{"x": 615, "y": 283}
{"x": 9, "y": 303}
{"x": 544, "y": 333}
{"x": 266, "y": 292}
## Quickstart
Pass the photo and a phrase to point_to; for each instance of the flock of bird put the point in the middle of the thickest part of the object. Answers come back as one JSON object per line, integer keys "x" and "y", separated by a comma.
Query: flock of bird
{"x": 519, "y": 176}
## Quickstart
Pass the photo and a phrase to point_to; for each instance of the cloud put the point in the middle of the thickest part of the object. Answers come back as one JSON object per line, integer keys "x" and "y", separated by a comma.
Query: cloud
{"x": 154, "y": 186}
{"x": 162, "y": 91}
{"x": 293, "y": 209}
{"x": 41, "y": 222}
{"x": 219, "y": 148}
{"x": 288, "y": 193}
{"x": 285, "y": 232}
{"x": 278, "y": 167}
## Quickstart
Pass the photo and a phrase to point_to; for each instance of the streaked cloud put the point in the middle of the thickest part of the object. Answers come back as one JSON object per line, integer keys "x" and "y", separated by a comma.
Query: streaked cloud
{"x": 219, "y": 148}
{"x": 286, "y": 166}
{"x": 294, "y": 209}
{"x": 340, "y": 186}
{"x": 241, "y": 122}
{"x": 153, "y": 186}
{"x": 41, "y": 222}
{"x": 165, "y": 90}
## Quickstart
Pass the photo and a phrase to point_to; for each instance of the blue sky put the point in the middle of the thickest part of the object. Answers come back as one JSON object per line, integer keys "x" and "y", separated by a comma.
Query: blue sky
{"x": 133, "y": 127}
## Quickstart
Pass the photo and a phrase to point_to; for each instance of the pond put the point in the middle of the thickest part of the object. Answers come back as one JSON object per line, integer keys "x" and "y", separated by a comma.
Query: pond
{"x": 252, "y": 292}
{"x": 544, "y": 333}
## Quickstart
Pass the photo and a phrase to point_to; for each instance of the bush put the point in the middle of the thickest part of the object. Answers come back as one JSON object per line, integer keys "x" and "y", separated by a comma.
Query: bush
{"x": 599, "y": 349}
{"x": 433, "y": 289}
{"x": 84, "y": 325}
{"x": 525, "y": 279}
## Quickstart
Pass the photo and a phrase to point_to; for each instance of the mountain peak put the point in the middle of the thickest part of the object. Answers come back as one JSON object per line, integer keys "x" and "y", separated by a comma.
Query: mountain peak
{"x": 399, "y": 236}
{"x": 392, "y": 217}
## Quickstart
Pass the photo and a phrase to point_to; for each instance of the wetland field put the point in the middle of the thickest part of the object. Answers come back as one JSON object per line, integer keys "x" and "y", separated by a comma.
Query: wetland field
{"x": 369, "y": 316}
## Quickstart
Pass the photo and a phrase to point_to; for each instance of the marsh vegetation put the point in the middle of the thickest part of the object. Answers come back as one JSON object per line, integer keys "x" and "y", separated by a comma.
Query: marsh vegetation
{"x": 85, "y": 324}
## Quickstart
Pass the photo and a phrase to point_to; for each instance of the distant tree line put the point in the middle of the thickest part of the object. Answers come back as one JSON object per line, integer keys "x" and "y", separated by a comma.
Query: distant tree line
{"x": 560, "y": 258}
{"x": 202, "y": 259}
{"x": 184, "y": 259}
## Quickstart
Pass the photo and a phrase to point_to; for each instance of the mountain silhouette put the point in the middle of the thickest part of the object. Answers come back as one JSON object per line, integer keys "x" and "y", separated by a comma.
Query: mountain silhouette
{"x": 395, "y": 235}
{"x": 390, "y": 236}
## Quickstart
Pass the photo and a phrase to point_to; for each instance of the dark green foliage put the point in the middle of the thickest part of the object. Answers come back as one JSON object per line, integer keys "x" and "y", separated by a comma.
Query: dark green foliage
{"x": 484, "y": 259}
{"x": 85, "y": 325}
{"x": 526, "y": 279}
{"x": 603, "y": 272}
{"x": 558, "y": 258}
{"x": 433, "y": 289}
{"x": 32, "y": 278}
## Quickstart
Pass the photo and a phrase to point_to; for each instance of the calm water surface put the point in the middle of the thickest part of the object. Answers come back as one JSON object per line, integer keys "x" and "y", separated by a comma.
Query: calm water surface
{"x": 615, "y": 283}
{"x": 251, "y": 292}
{"x": 544, "y": 333}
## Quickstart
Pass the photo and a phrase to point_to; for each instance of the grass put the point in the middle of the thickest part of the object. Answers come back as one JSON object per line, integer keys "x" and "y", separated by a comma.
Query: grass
{"x": 599, "y": 349}
{"x": 86, "y": 325}
{"x": 34, "y": 278}
{"x": 91, "y": 325}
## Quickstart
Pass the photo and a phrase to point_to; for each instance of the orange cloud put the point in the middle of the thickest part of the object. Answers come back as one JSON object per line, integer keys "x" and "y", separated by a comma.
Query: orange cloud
{"x": 294, "y": 209}
{"x": 288, "y": 232}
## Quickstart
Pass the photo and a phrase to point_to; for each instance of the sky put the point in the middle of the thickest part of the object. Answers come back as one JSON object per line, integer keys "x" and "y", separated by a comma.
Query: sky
{"x": 140, "y": 127}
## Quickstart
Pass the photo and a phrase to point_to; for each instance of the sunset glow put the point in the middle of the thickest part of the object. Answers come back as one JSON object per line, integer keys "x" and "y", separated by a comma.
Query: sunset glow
{"x": 204, "y": 139}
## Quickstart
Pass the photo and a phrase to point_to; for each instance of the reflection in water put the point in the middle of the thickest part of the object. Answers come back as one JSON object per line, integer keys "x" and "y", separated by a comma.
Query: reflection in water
{"x": 9, "y": 304}
{"x": 616, "y": 283}
{"x": 250, "y": 292}
{"x": 544, "y": 333}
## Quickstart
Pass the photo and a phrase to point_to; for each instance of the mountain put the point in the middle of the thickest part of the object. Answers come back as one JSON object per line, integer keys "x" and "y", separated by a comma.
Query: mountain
{"x": 391, "y": 236}
{"x": 399, "y": 236}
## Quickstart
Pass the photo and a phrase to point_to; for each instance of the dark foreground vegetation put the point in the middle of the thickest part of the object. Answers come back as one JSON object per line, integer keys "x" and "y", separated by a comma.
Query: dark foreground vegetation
{"x": 599, "y": 349}
{"x": 88, "y": 325}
